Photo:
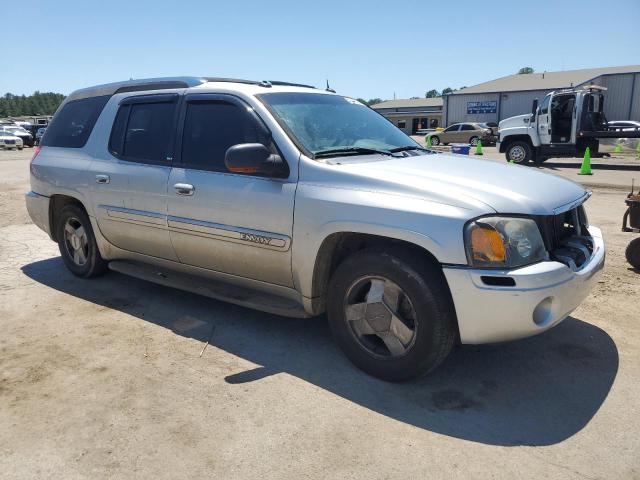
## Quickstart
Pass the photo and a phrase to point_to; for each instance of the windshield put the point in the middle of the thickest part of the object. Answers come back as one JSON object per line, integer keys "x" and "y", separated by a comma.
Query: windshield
{"x": 320, "y": 122}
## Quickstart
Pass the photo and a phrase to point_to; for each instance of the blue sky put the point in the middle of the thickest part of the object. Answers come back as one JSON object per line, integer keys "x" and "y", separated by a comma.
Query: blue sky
{"x": 365, "y": 48}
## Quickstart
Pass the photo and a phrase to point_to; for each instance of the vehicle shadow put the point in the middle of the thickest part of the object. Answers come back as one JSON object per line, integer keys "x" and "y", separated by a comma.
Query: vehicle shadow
{"x": 537, "y": 391}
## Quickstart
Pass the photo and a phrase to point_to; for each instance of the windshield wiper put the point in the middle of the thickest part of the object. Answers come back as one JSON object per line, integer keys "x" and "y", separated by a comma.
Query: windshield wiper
{"x": 409, "y": 147}
{"x": 350, "y": 150}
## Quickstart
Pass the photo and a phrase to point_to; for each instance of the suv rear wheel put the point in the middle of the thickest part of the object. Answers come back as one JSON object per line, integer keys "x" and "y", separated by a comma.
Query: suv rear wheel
{"x": 392, "y": 316}
{"x": 77, "y": 243}
{"x": 519, "y": 152}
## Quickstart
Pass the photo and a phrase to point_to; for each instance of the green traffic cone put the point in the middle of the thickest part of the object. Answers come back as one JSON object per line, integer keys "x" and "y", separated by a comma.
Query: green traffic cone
{"x": 585, "y": 169}
{"x": 618, "y": 148}
{"x": 479, "y": 147}
{"x": 428, "y": 142}
{"x": 638, "y": 149}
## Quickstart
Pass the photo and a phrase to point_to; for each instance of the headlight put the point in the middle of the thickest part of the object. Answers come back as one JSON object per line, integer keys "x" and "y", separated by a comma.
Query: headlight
{"x": 503, "y": 242}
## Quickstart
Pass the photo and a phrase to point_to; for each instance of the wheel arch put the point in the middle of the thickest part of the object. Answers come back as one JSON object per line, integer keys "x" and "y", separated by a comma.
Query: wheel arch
{"x": 56, "y": 203}
{"x": 337, "y": 246}
{"x": 504, "y": 144}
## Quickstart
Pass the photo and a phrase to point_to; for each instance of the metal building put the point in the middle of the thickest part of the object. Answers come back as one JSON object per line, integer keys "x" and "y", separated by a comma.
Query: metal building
{"x": 413, "y": 114}
{"x": 513, "y": 95}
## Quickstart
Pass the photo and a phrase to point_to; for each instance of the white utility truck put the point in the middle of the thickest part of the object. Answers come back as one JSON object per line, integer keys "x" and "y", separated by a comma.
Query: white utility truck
{"x": 563, "y": 125}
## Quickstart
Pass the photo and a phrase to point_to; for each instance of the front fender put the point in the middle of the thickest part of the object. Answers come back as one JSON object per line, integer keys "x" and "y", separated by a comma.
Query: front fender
{"x": 322, "y": 212}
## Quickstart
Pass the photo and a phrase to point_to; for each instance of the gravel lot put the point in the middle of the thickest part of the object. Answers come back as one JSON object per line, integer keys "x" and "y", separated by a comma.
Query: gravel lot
{"x": 103, "y": 379}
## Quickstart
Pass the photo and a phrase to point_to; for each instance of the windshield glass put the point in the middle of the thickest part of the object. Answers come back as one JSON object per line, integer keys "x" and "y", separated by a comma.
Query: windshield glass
{"x": 320, "y": 122}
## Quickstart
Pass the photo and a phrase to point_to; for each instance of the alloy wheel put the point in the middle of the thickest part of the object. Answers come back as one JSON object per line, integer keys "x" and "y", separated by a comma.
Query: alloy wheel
{"x": 76, "y": 241}
{"x": 380, "y": 316}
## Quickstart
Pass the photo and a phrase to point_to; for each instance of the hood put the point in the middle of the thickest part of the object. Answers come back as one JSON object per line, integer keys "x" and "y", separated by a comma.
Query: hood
{"x": 464, "y": 182}
{"x": 517, "y": 121}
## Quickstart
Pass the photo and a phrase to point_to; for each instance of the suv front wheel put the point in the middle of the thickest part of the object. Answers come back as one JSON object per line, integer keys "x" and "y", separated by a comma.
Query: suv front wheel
{"x": 77, "y": 243}
{"x": 391, "y": 314}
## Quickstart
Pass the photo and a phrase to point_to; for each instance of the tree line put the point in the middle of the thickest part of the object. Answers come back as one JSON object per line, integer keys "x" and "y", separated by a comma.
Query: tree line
{"x": 40, "y": 103}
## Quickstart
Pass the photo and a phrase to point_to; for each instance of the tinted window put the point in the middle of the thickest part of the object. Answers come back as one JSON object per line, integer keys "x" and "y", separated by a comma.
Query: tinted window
{"x": 143, "y": 132}
{"x": 466, "y": 126}
{"x": 452, "y": 128}
{"x": 210, "y": 128}
{"x": 72, "y": 125}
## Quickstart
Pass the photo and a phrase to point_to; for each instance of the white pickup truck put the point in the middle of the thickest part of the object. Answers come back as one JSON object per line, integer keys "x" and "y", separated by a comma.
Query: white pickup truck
{"x": 563, "y": 125}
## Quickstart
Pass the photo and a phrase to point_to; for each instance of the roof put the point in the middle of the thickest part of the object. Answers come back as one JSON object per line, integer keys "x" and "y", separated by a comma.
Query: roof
{"x": 410, "y": 103}
{"x": 546, "y": 80}
{"x": 169, "y": 83}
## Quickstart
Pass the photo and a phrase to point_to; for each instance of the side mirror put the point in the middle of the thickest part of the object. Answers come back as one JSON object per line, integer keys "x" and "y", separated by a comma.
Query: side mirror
{"x": 534, "y": 108}
{"x": 254, "y": 159}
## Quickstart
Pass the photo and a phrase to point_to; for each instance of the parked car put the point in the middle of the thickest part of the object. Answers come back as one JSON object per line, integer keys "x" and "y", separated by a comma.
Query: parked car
{"x": 39, "y": 134}
{"x": 463, "y": 133}
{"x": 27, "y": 138}
{"x": 625, "y": 125}
{"x": 299, "y": 201}
{"x": 9, "y": 141}
{"x": 491, "y": 125}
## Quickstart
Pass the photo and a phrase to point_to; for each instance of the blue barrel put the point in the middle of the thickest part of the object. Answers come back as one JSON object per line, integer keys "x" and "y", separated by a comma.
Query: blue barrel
{"x": 460, "y": 148}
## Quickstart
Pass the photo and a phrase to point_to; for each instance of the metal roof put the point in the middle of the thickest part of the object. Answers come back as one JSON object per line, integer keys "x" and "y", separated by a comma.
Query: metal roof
{"x": 410, "y": 103}
{"x": 546, "y": 80}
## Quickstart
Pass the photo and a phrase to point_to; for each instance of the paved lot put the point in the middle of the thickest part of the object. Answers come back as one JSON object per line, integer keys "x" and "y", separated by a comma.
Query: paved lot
{"x": 104, "y": 379}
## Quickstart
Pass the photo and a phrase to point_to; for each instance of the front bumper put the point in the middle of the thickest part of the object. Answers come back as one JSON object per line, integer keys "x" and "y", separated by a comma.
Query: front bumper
{"x": 38, "y": 208}
{"x": 544, "y": 294}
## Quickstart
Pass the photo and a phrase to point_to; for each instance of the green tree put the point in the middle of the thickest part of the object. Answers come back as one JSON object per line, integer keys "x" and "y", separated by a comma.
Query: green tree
{"x": 447, "y": 90}
{"x": 432, "y": 94}
{"x": 36, "y": 104}
{"x": 524, "y": 70}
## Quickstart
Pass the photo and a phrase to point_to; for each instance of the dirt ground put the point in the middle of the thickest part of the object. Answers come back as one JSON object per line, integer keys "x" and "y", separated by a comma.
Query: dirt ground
{"x": 104, "y": 379}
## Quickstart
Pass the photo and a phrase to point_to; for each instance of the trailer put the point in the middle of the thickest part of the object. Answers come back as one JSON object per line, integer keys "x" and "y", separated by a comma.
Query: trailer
{"x": 563, "y": 125}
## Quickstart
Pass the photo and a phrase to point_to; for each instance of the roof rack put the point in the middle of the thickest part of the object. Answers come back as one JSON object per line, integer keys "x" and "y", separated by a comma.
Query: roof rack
{"x": 166, "y": 83}
{"x": 262, "y": 83}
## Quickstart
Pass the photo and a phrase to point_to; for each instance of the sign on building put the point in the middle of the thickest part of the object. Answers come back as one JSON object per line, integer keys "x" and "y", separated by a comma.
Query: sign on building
{"x": 482, "y": 107}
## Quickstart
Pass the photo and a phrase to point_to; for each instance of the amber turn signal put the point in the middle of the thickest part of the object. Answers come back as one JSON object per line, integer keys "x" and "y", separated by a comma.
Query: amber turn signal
{"x": 487, "y": 245}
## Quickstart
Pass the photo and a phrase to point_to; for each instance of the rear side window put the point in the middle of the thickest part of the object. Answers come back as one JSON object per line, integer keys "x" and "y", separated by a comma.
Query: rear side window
{"x": 143, "y": 132}
{"x": 210, "y": 128}
{"x": 72, "y": 125}
{"x": 466, "y": 126}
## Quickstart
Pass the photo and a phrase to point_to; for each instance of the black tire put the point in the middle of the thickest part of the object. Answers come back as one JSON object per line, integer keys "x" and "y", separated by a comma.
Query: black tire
{"x": 434, "y": 325}
{"x": 435, "y": 140}
{"x": 20, "y": 148}
{"x": 93, "y": 265}
{"x": 633, "y": 253}
{"x": 473, "y": 141}
{"x": 519, "y": 152}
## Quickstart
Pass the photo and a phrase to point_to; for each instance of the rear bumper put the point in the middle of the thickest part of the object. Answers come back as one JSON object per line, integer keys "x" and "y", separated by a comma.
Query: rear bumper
{"x": 38, "y": 208}
{"x": 544, "y": 294}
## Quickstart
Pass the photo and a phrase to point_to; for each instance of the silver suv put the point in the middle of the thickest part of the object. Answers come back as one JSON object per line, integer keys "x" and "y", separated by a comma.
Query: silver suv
{"x": 298, "y": 201}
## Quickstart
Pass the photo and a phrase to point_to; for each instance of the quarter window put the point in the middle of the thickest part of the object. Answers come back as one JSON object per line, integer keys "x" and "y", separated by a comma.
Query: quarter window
{"x": 211, "y": 127}
{"x": 72, "y": 125}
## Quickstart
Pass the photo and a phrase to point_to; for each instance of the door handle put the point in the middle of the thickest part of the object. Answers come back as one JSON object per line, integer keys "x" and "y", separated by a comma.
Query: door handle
{"x": 185, "y": 189}
{"x": 102, "y": 179}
